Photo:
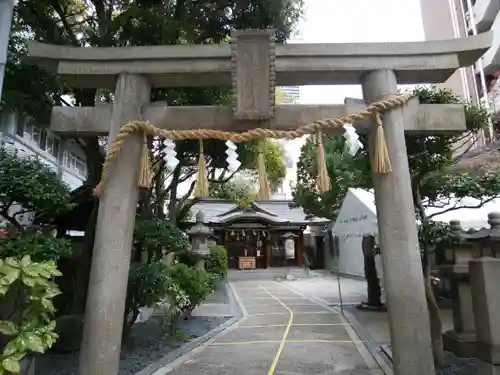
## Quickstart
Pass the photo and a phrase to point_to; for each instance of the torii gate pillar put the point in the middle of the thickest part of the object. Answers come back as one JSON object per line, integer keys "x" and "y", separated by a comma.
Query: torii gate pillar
{"x": 403, "y": 279}
{"x": 102, "y": 333}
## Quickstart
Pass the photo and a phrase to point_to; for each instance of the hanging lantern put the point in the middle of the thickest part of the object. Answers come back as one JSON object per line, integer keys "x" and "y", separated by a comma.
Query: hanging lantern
{"x": 290, "y": 248}
{"x": 170, "y": 155}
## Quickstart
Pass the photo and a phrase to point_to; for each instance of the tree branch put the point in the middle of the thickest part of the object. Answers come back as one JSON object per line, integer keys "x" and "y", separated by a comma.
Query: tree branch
{"x": 456, "y": 207}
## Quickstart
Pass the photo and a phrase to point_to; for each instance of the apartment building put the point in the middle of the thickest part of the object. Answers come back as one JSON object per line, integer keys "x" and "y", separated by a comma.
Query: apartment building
{"x": 448, "y": 19}
{"x": 65, "y": 157}
{"x": 291, "y": 95}
{"x": 288, "y": 95}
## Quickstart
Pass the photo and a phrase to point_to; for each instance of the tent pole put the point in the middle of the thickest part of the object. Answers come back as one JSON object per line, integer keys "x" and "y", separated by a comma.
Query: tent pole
{"x": 340, "y": 292}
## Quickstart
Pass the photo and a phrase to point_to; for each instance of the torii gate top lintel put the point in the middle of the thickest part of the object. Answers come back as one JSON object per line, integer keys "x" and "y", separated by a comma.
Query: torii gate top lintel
{"x": 295, "y": 64}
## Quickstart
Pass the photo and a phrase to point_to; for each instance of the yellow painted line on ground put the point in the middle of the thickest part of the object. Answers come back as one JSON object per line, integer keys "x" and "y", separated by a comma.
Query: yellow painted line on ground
{"x": 272, "y": 368}
{"x": 293, "y": 325}
{"x": 296, "y": 313}
{"x": 284, "y": 342}
{"x": 292, "y": 304}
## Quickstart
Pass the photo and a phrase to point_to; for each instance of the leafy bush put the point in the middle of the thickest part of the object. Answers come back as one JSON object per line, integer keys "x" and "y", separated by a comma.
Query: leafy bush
{"x": 32, "y": 329}
{"x": 157, "y": 236}
{"x": 147, "y": 284}
{"x": 31, "y": 184}
{"x": 196, "y": 283}
{"x": 217, "y": 262}
{"x": 39, "y": 246}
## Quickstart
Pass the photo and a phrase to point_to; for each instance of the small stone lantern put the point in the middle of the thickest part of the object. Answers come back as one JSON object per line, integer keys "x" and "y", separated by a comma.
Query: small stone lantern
{"x": 461, "y": 340}
{"x": 488, "y": 240}
{"x": 199, "y": 240}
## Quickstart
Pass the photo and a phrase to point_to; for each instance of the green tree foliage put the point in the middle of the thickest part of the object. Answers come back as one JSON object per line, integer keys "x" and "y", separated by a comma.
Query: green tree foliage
{"x": 27, "y": 257}
{"x": 242, "y": 191}
{"x": 158, "y": 237}
{"x": 217, "y": 262}
{"x": 30, "y": 327}
{"x": 435, "y": 184}
{"x": 32, "y": 186}
{"x": 96, "y": 23}
{"x": 344, "y": 170}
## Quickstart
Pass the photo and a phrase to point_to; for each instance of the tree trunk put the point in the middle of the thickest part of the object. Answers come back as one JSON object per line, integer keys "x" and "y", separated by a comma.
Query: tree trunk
{"x": 436, "y": 324}
{"x": 172, "y": 205}
{"x": 85, "y": 263}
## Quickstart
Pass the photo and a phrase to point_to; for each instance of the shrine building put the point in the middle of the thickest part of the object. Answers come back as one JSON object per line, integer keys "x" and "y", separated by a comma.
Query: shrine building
{"x": 266, "y": 234}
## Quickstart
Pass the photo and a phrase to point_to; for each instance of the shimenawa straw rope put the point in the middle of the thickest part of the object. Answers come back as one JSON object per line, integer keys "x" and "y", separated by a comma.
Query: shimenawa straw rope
{"x": 381, "y": 163}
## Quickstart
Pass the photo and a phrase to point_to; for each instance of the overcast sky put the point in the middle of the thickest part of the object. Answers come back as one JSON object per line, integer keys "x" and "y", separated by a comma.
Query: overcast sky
{"x": 352, "y": 21}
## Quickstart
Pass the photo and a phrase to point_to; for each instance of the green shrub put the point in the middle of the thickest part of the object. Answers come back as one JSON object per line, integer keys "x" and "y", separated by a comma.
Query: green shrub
{"x": 147, "y": 284}
{"x": 216, "y": 262}
{"x": 158, "y": 237}
{"x": 31, "y": 328}
{"x": 39, "y": 246}
{"x": 196, "y": 283}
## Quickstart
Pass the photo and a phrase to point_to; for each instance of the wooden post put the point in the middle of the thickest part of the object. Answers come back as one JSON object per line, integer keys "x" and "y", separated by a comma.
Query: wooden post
{"x": 300, "y": 249}
{"x": 267, "y": 246}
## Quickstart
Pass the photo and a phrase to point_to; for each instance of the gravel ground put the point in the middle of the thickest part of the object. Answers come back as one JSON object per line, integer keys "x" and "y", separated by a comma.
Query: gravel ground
{"x": 457, "y": 366}
{"x": 148, "y": 343}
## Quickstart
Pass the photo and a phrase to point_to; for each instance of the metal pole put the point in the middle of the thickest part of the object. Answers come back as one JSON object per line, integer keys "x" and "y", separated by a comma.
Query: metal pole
{"x": 340, "y": 291}
{"x": 6, "y": 11}
{"x": 485, "y": 103}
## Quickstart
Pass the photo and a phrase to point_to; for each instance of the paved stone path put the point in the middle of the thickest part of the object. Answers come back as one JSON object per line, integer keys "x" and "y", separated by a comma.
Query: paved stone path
{"x": 282, "y": 333}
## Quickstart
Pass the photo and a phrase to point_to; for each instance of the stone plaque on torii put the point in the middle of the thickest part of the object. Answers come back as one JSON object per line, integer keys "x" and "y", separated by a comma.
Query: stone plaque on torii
{"x": 253, "y": 66}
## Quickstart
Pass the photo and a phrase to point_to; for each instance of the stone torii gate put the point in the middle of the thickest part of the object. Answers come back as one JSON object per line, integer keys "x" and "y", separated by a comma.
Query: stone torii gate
{"x": 253, "y": 65}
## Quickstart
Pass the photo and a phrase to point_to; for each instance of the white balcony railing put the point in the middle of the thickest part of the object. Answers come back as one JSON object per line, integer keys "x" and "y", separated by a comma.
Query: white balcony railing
{"x": 485, "y": 12}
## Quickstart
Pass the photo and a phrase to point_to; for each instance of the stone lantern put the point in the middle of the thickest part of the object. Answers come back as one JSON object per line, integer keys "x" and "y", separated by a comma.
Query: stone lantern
{"x": 461, "y": 340}
{"x": 200, "y": 234}
{"x": 488, "y": 240}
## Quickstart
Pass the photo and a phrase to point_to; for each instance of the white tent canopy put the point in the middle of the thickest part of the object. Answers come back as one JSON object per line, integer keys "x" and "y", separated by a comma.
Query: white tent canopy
{"x": 358, "y": 217}
{"x": 470, "y": 218}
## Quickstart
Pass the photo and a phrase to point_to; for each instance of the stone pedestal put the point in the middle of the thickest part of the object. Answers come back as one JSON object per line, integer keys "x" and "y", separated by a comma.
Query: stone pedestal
{"x": 104, "y": 312}
{"x": 485, "y": 281}
{"x": 404, "y": 284}
{"x": 462, "y": 339}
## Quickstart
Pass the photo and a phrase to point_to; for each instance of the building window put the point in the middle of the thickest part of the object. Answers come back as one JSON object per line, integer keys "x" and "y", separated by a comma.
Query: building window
{"x": 57, "y": 147}
{"x": 20, "y": 125}
{"x": 75, "y": 163}
{"x": 52, "y": 144}
{"x": 36, "y": 134}
{"x": 43, "y": 139}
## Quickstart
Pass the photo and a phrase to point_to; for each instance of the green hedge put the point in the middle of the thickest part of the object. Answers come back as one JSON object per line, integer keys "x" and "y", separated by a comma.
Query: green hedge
{"x": 216, "y": 262}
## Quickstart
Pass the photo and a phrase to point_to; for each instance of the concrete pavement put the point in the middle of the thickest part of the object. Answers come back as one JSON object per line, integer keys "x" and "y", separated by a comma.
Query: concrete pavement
{"x": 282, "y": 333}
{"x": 331, "y": 290}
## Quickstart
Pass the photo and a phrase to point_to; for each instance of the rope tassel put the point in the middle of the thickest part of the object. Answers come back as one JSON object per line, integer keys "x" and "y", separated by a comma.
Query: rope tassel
{"x": 381, "y": 161}
{"x": 264, "y": 193}
{"x": 323, "y": 180}
{"x": 202, "y": 178}
{"x": 145, "y": 166}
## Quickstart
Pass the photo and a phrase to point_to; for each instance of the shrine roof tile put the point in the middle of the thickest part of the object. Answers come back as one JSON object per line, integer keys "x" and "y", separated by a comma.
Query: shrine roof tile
{"x": 279, "y": 211}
